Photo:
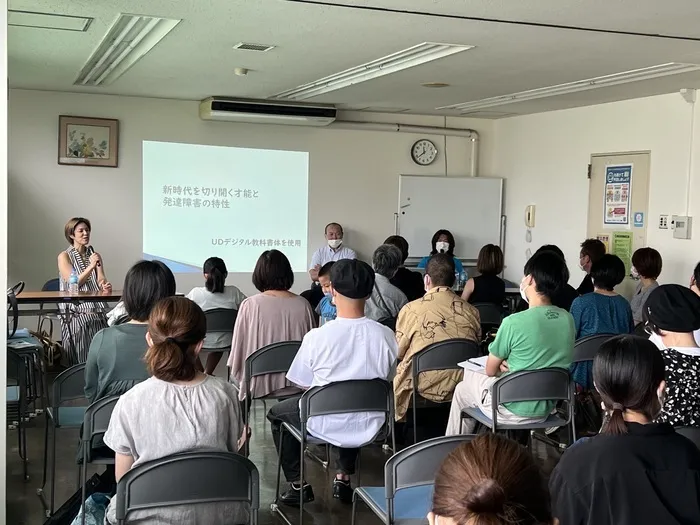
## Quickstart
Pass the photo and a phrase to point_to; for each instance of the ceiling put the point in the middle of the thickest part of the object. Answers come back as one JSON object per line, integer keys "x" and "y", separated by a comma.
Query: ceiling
{"x": 520, "y": 45}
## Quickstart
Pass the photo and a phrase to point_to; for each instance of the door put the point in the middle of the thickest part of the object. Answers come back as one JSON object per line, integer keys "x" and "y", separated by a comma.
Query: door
{"x": 618, "y": 201}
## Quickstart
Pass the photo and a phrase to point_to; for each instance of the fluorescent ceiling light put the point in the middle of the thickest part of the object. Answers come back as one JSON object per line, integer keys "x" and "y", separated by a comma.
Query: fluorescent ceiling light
{"x": 47, "y": 20}
{"x": 126, "y": 42}
{"x": 615, "y": 79}
{"x": 411, "y": 57}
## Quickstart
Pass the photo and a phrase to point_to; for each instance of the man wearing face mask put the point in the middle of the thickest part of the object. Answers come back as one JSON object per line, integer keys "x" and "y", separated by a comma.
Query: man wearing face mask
{"x": 334, "y": 250}
{"x": 672, "y": 314}
{"x": 540, "y": 337}
{"x": 591, "y": 251}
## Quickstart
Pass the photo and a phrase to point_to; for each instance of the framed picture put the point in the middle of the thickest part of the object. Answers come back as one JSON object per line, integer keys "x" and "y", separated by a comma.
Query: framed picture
{"x": 85, "y": 141}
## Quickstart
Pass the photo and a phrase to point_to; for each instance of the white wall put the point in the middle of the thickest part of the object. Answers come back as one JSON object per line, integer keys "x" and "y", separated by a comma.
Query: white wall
{"x": 545, "y": 156}
{"x": 353, "y": 176}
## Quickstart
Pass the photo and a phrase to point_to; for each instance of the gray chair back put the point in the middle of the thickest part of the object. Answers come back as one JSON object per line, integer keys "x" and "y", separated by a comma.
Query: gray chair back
{"x": 490, "y": 314}
{"x": 68, "y": 386}
{"x": 546, "y": 384}
{"x": 444, "y": 355}
{"x": 220, "y": 477}
{"x": 585, "y": 349}
{"x": 275, "y": 358}
{"x": 96, "y": 422}
{"x": 692, "y": 433}
{"x": 220, "y": 319}
{"x": 17, "y": 372}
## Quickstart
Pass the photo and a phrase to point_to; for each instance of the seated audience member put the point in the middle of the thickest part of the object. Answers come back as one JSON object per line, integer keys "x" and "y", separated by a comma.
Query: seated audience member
{"x": 491, "y": 480}
{"x": 695, "y": 287}
{"x": 635, "y": 471}
{"x": 177, "y": 410}
{"x": 602, "y": 312}
{"x": 351, "y": 347}
{"x": 591, "y": 252}
{"x": 442, "y": 242}
{"x": 273, "y": 316}
{"x": 566, "y": 295}
{"x": 215, "y": 294}
{"x": 646, "y": 268}
{"x": 672, "y": 315}
{"x": 386, "y": 300}
{"x": 409, "y": 282}
{"x": 333, "y": 250}
{"x": 115, "y": 359}
{"x": 438, "y": 316}
{"x": 326, "y": 309}
{"x": 487, "y": 287}
{"x": 540, "y": 337}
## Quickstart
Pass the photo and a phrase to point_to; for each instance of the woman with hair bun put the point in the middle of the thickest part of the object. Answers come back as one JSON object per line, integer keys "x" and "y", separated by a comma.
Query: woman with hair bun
{"x": 490, "y": 480}
{"x": 635, "y": 471}
{"x": 178, "y": 409}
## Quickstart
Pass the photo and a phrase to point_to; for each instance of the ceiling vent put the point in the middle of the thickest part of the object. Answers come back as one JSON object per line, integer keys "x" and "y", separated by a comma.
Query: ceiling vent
{"x": 266, "y": 112}
{"x": 247, "y": 46}
{"x": 126, "y": 42}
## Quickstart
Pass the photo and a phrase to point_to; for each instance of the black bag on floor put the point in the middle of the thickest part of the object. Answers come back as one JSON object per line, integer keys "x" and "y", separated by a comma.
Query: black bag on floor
{"x": 588, "y": 415}
{"x": 69, "y": 510}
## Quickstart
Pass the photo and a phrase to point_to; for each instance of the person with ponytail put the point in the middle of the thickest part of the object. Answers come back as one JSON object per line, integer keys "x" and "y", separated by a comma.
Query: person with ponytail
{"x": 491, "y": 480}
{"x": 215, "y": 294}
{"x": 178, "y": 409}
{"x": 635, "y": 471}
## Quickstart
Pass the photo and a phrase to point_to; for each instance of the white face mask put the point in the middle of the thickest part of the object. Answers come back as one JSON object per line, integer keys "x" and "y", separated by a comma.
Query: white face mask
{"x": 442, "y": 247}
{"x": 657, "y": 340}
{"x": 635, "y": 274}
{"x": 522, "y": 292}
{"x": 335, "y": 243}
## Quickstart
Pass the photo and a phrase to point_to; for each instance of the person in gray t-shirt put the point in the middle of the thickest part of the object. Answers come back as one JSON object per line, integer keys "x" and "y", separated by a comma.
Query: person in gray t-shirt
{"x": 646, "y": 267}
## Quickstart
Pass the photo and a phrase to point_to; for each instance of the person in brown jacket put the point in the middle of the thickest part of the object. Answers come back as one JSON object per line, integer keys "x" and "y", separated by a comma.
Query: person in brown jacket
{"x": 439, "y": 315}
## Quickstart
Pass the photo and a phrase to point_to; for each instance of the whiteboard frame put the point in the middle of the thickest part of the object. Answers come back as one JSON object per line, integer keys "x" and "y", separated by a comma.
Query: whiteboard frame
{"x": 411, "y": 261}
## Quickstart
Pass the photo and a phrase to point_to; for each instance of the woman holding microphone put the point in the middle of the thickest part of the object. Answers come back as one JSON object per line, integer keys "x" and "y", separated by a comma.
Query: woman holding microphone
{"x": 87, "y": 319}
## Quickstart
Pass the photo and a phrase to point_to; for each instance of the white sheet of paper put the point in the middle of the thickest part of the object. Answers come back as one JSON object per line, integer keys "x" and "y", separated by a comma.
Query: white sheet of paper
{"x": 481, "y": 361}
{"x": 468, "y": 365}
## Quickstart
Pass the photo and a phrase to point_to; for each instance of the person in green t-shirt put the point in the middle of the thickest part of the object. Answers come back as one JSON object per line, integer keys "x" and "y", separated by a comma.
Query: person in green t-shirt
{"x": 540, "y": 337}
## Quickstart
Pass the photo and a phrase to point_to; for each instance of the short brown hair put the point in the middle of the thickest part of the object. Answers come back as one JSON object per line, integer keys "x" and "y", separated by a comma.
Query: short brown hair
{"x": 491, "y": 480}
{"x": 593, "y": 248}
{"x": 273, "y": 272}
{"x": 176, "y": 325}
{"x": 648, "y": 262}
{"x": 490, "y": 261}
{"x": 72, "y": 224}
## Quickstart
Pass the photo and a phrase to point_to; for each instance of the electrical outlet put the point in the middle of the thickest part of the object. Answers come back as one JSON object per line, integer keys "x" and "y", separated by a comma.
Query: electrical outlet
{"x": 663, "y": 222}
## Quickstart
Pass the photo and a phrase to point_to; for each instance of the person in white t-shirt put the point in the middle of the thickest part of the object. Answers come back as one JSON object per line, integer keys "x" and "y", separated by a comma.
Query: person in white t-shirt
{"x": 349, "y": 347}
{"x": 215, "y": 294}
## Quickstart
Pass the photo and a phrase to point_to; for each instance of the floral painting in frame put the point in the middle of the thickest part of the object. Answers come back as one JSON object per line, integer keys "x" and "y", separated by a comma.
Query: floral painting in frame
{"x": 86, "y": 141}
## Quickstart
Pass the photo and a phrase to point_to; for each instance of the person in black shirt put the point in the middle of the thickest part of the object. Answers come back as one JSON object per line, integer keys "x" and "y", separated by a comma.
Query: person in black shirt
{"x": 409, "y": 282}
{"x": 565, "y": 296}
{"x": 591, "y": 251}
{"x": 487, "y": 287}
{"x": 635, "y": 472}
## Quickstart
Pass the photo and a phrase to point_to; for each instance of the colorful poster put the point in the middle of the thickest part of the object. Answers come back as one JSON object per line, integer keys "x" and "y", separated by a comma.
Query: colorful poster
{"x": 605, "y": 239}
{"x": 622, "y": 247}
{"x": 618, "y": 187}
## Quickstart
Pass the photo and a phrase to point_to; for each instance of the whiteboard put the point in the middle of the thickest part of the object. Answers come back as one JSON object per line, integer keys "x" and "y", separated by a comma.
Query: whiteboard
{"x": 470, "y": 207}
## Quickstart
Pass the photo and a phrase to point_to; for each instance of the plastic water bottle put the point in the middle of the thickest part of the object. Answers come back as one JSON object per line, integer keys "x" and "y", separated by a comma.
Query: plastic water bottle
{"x": 73, "y": 283}
{"x": 463, "y": 279}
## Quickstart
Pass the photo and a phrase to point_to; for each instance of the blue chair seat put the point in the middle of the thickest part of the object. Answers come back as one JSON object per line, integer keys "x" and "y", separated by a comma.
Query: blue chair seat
{"x": 551, "y": 421}
{"x": 411, "y": 505}
{"x": 12, "y": 394}
{"x": 68, "y": 417}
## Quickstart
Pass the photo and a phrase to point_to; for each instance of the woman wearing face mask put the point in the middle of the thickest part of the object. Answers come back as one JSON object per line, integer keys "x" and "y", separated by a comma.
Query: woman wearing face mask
{"x": 442, "y": 242}
{"x": 635, "y": 471}
{"x": 672, "y": 315}
{"x": 490, "y": 480}
{"x": 646, "y": 268}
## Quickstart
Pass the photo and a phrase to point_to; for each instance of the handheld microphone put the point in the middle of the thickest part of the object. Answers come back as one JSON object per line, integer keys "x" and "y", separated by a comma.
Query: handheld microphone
{"x": 92, "y": 250}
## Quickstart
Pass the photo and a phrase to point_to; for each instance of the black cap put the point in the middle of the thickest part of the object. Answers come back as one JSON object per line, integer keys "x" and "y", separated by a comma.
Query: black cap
{"x": 352, "y": 278}
{"x": 674, "y": 308}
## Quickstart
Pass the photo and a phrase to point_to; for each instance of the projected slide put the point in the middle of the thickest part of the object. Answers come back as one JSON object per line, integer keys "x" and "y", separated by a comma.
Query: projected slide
{"x": 234, "y": 203}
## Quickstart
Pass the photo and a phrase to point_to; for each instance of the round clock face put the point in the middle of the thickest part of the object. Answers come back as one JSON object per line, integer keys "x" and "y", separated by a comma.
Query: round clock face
{"x": 423, "y": 152}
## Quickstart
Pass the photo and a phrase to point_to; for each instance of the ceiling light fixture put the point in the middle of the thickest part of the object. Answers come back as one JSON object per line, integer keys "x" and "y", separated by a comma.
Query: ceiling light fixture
{"x": 126, "y": 42}
{"x": 247, "y": 46}
{"x": 435, "y": 84}
{"x": 405, "y": 59}
{"x": 47, "y": 20}
{"x": 635, "y": 75}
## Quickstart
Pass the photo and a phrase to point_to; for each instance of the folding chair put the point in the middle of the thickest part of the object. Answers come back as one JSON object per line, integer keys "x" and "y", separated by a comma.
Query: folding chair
{"x": 343, "y": 397}
{"x": 546, "y": 384}
{"x": 408, "y": 481}
{"x": 586, "y": 348}
{"x": 692, "y": 433}
{"x": 445, "y": 355}
{"x": 220, "y": 321}
{"x": 17, "y": 399}
{"x": 220, "y": 477}
{"x": 275, "y": 358}
{"x": 491, "y": 316}
{"x": 95, "y": 425}
{"x": 69, "y": 385}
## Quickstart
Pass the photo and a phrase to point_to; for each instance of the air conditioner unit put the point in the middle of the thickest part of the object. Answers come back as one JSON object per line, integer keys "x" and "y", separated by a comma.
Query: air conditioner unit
{"x": 266, "y": 112}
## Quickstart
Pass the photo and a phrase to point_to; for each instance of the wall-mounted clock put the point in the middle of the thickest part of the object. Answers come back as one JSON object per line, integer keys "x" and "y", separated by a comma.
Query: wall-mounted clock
{"x": 424, "y": 152}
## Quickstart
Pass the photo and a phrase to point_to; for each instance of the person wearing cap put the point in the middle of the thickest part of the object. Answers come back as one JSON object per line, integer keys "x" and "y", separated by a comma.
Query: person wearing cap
{"x": 351, "y": 347}
{"x": 695, "y": 287}
{"x": 672, "y": 315}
